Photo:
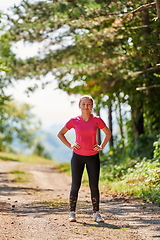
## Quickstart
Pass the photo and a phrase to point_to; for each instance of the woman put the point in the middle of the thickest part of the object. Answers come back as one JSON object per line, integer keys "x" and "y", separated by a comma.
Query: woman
{"x": 85, "y": 152}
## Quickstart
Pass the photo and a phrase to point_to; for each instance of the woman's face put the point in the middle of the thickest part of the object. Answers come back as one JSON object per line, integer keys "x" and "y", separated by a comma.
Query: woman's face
{"x": 86, "y": 105}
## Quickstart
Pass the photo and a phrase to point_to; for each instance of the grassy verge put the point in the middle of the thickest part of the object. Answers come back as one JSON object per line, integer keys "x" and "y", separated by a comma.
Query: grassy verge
{"x": 27, "y": 159}
{"x": 142, "y": 180}
{"x": 56, "y": 203}
{"x": 64, "y": 167}
{"x": 139, "y": 180}
{"x": 20, "y": 176}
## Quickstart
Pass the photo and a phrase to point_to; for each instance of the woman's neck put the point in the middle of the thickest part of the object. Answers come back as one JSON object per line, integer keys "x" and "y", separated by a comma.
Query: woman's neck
{"x": 86, "y": 117}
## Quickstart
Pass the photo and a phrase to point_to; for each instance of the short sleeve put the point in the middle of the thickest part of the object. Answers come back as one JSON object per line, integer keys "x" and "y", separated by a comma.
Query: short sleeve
{"x": 69, "y": 124}
{"x": 101, "y": 123}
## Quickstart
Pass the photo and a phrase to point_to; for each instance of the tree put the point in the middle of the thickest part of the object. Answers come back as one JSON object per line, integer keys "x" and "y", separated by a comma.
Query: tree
{"x": 41, "y": 151}
{"x": 104, "y": 49}
{"x": 17, "y": 122}
{"x": 158, "y": 8}
{"x": 7, "y": 60}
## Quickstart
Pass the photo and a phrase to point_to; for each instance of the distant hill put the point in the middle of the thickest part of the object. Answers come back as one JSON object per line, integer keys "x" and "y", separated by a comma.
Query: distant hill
{"x": 48, "y": 138}
{"x": 54, "y": 146}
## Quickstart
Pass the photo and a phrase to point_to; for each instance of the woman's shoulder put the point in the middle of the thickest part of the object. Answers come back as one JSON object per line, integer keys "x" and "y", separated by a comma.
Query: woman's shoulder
{"x": 71, "y": 122}
{"x": 96, "y": 117}
{"x": 74, "y": 118}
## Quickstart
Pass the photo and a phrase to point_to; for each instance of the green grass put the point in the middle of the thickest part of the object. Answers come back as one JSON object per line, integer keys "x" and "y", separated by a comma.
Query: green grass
{"x": 27, "y": 159}
{"x": 20, "y": 176}
{"x": 142, "y": 180}
{"x": 64, "y": 167}
{"x": 56, "y": 203}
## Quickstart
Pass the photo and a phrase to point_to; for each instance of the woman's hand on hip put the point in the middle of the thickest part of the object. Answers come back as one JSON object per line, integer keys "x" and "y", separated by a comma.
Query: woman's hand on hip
{"x": 76, "y": 145}
{"x": 97, "y": 148}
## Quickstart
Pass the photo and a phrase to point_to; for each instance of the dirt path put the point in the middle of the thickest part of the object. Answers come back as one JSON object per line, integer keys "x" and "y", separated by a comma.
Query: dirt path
{"x": 39, "y": 210}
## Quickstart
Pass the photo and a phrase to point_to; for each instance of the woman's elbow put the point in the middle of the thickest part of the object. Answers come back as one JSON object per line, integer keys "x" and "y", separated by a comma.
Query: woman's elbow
{"x": 110, "y": 134}
{"x": 59, "y": 135}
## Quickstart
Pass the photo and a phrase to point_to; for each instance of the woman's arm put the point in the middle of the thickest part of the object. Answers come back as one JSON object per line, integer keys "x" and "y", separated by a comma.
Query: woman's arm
{"x": 62, "y": 137}
{"x": 105, "y": 140}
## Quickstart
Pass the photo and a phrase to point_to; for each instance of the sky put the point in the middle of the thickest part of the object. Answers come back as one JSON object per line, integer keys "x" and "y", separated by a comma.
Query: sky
{"x": 51, "y": 106}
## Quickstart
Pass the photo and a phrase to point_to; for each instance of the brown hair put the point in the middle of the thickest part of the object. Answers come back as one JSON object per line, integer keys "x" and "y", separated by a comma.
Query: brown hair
{"x": 86, "y": 96}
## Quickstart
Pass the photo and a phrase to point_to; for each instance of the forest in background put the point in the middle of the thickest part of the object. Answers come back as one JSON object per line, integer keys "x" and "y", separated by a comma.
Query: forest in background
{"x": 108, "y": 49}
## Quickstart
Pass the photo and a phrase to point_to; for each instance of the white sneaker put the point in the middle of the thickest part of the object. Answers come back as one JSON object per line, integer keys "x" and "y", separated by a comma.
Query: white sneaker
{"x": 97, "y": 217}
{"x": 72, "y": 217}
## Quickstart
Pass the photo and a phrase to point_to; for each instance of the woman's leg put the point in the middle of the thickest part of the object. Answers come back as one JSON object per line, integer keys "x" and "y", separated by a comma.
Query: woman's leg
{"x": 93, "y": 169}
{"x": 77, "y": 168}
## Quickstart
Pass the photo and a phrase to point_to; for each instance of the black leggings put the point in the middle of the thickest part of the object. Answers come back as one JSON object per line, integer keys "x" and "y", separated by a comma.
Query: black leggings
{"x": 78, "y": 163}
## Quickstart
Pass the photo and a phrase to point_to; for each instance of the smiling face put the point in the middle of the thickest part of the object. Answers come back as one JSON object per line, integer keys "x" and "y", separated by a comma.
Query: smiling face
{"x": 86, "y": 105}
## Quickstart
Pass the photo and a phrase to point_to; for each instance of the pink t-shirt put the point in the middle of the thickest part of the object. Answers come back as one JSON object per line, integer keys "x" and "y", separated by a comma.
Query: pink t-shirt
{"x": 86, "y": 133}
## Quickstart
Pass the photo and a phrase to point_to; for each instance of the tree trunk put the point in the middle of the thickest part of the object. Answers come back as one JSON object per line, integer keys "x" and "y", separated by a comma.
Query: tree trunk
{"x": 146, "y": 32}
{"x": 138, "y": 121}
{"x": 158, "y": 8}
{"x": 121, "y": 122}
{"x": 110, "y": 124}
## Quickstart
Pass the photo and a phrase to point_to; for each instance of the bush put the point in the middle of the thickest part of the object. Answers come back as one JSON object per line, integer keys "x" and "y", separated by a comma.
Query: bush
{"x": 41, "y": 151}
{"x": 141, "y": 147}
{"x": 115, "y": 164}
{"x": 157, "y": 149}
{"x": 135, "y": 177}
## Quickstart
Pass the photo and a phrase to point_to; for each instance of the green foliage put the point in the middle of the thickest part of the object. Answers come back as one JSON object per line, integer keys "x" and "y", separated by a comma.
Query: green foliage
{"x": 27, "y": 159}
{"x": 115, "y": 164}
{"x": 104, "y": 49}
{"x": 40, "y": 151}
{"x": 64, "y": 167}
{"x": 20, "y": 176}
{"x": 17, "y": 122}
{"x": 139, "y": 177}
{"x": 157, "y": 149}
{"x": 142, "y": 147}
{"x": 142, "y": 180}
{"x": 2, "y": 66}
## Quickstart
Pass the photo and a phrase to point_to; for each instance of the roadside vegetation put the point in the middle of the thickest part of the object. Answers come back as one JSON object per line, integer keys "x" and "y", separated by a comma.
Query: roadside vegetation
{"x": 139, "y": 177}
{"x": 20, "y": 176}
{"x": 27, "y": 159}
{"x": 111, "y": 52}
